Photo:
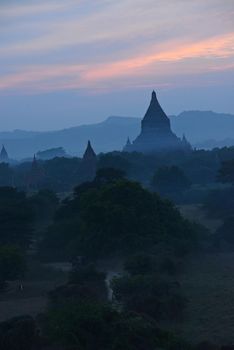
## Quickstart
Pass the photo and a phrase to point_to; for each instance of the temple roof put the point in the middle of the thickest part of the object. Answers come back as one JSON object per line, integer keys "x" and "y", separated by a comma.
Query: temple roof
{"x": 155, "y": 117}
{"x": 89, "y": 152}
{"x": 3, "y": 154}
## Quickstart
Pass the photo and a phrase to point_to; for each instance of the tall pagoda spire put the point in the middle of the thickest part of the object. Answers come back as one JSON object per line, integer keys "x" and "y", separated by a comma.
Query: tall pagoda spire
{"x": 155, "y": 117}
{"x": 156, "y": 134}
{"x": 35, "y": 175}
{"x": 127, "y": 145}
{"x": 89, "y": 153}
{"x": 4, "y": 155}
{"x": 88, "y": 165}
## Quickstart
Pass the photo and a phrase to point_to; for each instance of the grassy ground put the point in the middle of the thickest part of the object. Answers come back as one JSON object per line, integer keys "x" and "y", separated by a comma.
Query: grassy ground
{"x": 195, "y": 213}
{"x": 39, "y": 280}
{"x": 208, "y": 283}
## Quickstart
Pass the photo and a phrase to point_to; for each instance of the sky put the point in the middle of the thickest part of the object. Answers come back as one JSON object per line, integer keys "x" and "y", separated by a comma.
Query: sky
{"x": 70, "y": 62}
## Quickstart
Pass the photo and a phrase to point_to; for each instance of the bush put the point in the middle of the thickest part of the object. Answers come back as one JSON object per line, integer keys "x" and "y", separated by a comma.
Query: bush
{"x": 17, "y": 333}
{"x": 12, "y": 263}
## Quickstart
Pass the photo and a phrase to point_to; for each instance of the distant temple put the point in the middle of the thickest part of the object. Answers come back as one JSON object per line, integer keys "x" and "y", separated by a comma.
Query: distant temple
{"x": 35, "y": 175}
{"x": 89, "y": 164}
{"x": 4, "y": 155}
{"x": 156, "y": 134}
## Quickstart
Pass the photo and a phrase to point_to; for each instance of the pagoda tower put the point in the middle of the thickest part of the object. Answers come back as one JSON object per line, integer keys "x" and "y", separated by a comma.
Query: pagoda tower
{"x": 88, "y": 164}
{"x": 156, "y": 134}
{"x": 35, "y": 175}
{"x": 4, "y": 155}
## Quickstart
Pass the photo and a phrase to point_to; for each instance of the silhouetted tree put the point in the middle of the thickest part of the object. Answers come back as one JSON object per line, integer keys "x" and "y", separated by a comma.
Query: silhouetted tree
{"x": 226, "y": 172}
{"x": 16, "y": 217}
{"x": 12, "y": 264}
{"x": 169, "y": 180}
{"x": 6, "y": 175}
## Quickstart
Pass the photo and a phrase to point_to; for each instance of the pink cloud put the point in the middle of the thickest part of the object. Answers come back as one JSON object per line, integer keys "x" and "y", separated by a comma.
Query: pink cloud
{"x": 197, "y": 57}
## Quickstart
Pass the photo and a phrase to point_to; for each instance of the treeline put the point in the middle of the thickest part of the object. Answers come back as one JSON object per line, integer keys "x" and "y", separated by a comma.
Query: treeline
{"x": 19, "y": 217}
{"x": 192, "y": 172}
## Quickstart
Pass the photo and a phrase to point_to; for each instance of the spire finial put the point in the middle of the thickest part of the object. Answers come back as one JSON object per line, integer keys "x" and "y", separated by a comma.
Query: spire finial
{"x": 153, "y": 95}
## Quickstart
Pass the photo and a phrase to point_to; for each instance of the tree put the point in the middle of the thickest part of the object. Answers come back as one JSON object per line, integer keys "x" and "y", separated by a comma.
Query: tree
{"x": 150, "y": 295}
{"x": 6, "y": 175}
{"x": 108, "y": 175}
{"x": 18, "y": 333}
{"x": 89, "y": 326}
{"x": 139, "y": 264}
{"x": 226, "y": 231}
{"x": 44, "y": 204}
{"x": 16, "y": 217}
{"x": 117, "y": 218}
{"x": 169, "y": 180}
{"x": 114, "y": 160}
{"x": 226, "y": 172}
{"x": 85, "y": 284}
{"x": 12, "y": 263}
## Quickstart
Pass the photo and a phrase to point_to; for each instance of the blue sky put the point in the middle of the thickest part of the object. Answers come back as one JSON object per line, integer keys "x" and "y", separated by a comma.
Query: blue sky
{"x": 65, "y": 63}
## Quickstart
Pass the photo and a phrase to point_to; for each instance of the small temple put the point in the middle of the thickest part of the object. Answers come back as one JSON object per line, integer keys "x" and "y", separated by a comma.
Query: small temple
{"x": 156, "y": 134}
{"x": 35, "y": 175}
{"x": 4, "y": 155}
{"x": 88, "y": 163}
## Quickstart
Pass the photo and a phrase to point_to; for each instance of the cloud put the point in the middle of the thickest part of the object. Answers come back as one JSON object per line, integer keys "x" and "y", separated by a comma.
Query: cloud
{"x": 15, "y": 10}
{"x": 171, "y": 59}
{"x": 112, "y": 42}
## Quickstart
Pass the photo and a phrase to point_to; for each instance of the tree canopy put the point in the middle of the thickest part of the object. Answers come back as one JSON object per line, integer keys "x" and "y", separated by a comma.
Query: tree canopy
{"x": 116, "y": 217}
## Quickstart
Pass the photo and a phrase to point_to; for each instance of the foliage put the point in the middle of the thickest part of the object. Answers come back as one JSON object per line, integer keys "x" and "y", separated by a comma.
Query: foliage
{"x": 12, "y": 263}
{"x": 169, "y": 180}
{"x": 226, "y": 231}
{"x": 117, "y": 218}
{"x": 16, "y": 217}
{"x": 61, "y": 173}
{"x": 219, "y": 203}
{"x": 85, "y": 283}
{"x": 44, "y": 204}
{"x": 113, "y": 160}
{"x": 149, "y": 294}
{"x": 6, "y": 175}
{"x": 139, "y": 264}
{"x": 17, "y": 333}
{"x": 226, "y": 172}
{"x": 108, "y": 175}
{"x": 89, "y": 326}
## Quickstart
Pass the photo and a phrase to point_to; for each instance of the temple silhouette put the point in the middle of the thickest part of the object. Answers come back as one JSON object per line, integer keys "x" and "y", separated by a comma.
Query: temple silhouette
{"x": 156, "y": 134}
{"x": 88, "y": 164}
{"x": 4, "y": 155}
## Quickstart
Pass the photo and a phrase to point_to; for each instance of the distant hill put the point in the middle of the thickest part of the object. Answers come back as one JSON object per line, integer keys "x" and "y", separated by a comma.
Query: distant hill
{"x": 203, "y": 129}
{"x": 202, "y": 126}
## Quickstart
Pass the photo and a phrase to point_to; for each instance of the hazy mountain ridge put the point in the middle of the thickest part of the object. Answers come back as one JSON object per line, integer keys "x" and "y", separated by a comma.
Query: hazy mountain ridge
{"x": 203, "y": 129}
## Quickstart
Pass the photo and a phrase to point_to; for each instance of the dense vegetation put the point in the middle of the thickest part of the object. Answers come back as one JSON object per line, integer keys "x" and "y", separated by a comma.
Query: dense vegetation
{"x": 116, "y": 216}
{"x": 61, "y": 174}
{"x": 113, "y": 216}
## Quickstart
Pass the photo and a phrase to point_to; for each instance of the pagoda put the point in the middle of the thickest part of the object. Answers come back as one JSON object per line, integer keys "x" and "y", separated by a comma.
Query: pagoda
{"x": 4, "y": 155}
{"x": 88, "y": 164}
{"x": 35, "y": 175}
{"x": 156, "y": 134}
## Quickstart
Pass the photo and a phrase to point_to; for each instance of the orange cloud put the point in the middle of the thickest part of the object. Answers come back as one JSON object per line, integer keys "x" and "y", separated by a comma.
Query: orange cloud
{"x": 162, "y": 62}
{"x": 222, "y": 46}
